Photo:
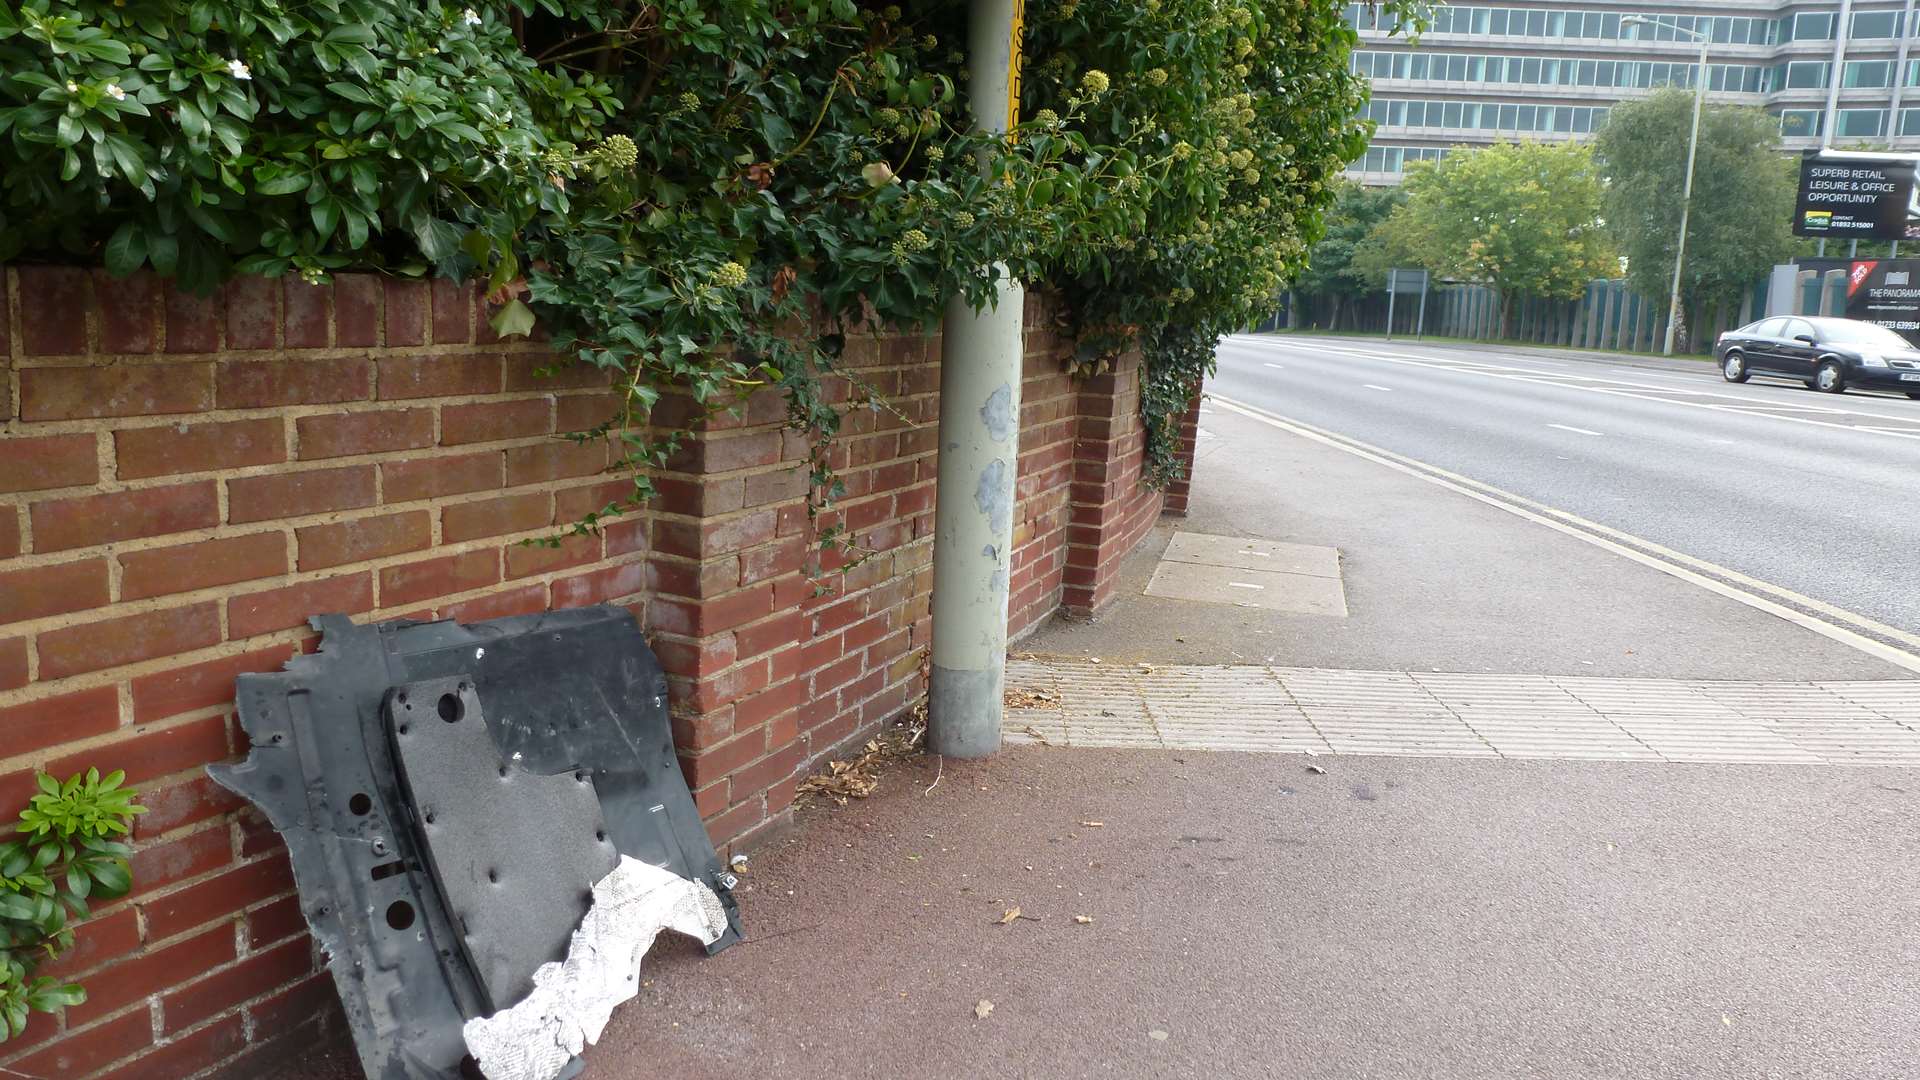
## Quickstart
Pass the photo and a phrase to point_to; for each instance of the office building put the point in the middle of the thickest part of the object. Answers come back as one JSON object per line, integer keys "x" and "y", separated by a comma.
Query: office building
{"x": 1547, "y": 71}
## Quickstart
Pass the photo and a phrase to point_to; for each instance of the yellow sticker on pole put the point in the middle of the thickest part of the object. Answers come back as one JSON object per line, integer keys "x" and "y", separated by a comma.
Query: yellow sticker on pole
{"x": 1013, "y": 64}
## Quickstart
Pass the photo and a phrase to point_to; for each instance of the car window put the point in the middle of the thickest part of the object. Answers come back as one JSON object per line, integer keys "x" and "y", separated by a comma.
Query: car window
{"x": 1796, "y": 327}
{"x": 1766, "y": 328}
{"x": 1849, "y": 332}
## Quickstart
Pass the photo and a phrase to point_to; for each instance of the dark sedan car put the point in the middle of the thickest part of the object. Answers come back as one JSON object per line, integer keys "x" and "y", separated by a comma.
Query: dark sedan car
{"x": 1826, "y": 354}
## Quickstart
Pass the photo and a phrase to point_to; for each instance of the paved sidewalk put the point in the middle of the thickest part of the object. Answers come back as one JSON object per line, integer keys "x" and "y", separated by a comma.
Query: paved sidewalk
{"x": 1063, "y": 701}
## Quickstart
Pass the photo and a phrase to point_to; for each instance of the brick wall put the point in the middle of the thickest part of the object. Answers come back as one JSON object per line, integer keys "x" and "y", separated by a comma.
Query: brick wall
{"x": 183, "y": 480}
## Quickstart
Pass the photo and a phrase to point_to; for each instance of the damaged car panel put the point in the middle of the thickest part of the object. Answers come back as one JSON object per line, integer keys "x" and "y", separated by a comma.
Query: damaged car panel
{"x": 571, "y": 704}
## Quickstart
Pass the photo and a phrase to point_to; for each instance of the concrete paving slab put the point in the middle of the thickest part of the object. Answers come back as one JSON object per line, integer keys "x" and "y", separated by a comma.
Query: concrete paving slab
{"x": 1253, "y": 554}
{"x": 1298, "y": 594}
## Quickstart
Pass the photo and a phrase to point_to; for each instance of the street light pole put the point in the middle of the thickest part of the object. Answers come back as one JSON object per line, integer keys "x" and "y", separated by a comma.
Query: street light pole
{"x": 1686, "y": 192}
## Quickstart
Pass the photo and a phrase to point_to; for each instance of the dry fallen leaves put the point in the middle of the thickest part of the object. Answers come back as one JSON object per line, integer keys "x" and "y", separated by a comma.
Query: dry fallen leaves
{"x": 1012, "y": 914}
{"x": 1083, "y": 919}
{"x": 860, "y": 777}
{"x": 1093, "y": 824}
{"x": 1027, "y": 697}
{"x": 982, "y": 1010}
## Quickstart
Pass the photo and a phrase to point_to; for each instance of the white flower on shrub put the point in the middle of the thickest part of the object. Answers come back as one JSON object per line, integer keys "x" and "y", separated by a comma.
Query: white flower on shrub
{"x": 238, "y": 69}
{"x": 471, "y": 17}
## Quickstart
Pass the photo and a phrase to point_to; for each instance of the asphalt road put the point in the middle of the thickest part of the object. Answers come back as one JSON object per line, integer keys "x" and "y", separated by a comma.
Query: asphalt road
{"x": 1814, "y": 493}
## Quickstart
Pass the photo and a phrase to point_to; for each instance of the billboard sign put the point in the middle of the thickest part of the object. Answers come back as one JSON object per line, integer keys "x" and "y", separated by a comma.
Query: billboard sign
{"x": 1856, "y": 200}
{"x": 1886, "y": 292}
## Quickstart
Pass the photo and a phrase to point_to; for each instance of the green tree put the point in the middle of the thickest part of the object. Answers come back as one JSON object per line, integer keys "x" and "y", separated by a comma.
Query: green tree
{"x": 1743, "y": 190}
{"x": 1522, "y": 218}
{"x": 1332, "y": 272}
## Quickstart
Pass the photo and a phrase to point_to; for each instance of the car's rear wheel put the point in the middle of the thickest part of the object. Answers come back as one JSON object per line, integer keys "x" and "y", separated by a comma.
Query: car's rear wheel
{"x": 1734, "y": 367}
{"x": 1830, "y": 380}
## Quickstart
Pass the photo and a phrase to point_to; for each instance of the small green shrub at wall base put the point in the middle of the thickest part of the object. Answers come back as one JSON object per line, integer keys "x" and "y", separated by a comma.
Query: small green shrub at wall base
{"x": 65, "y": 855}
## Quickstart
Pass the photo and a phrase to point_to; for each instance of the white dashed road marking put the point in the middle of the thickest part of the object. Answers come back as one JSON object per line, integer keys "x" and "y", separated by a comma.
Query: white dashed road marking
{"x": 1575, "y": 430}
{"x": 1371, "y": 386}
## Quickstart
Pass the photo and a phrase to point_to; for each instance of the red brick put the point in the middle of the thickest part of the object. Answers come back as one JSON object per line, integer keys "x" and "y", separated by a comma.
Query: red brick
{"x": 250, "y": 978}
{"x": 575, "y": 503}
{"x": 50, "y": 461}
{"x": 761, "y": 637}
{"x": 156, "y": 866}
{"x": 258, "y": 384}
{"x": 71, "y": 650}
{"x": 406, "y": 312}
{"x": 302, "y": 1003}
{"x": 494, "y": 517}
{"x": 364, "y": 538}
{"x": 414, "y": 582}
{"x": 753, "y": 711}
{"x": 524, "y": 560}
{"x": 376, "y": 432}
{"x": 776, "y": 486}
{"x": 491, "y": 421}
{"x": 83, "y": 1052}
{"x": 728, "y": 452}
{"x": 438, "y": 376}
{"x": 711, "y": 616}
{"x": 273, "y": 922}
{"x": 192, "y": 321}
{"x": 288, "y": 607}
{"x": 526, "y": 600}
{"x": 599, "y": 586}
{"x": 201, "y": 565}
{"x": 81, "y": 393}
{"x": 35, "y": 725}
{"x": 219, "y": 897}
{"x": 187, "y": 1054}
{"x": 428, "y": 478}
{"x": 356, "y": 310}
{"x": 695, "y": 659}
{"x": 768, "y": 770}
{"x": 554, "y": 460}
{"x": 586, "y": 412}
{"x": 293, "y": 494}
{"x": 452, "y": 311}
{"x": 131, "y": 980}
{"x": 699, "y": 496}
{"x": 736, "y": 822}
{"x": 705, "y": 539}
{"x": 720, "y": 760}
{"x": 526, "y": 371}
{"x": 252, "y": 313}
{"x": 188, "y": 802}
{"x": 99, "y": 939}
{"x": 9, "y": 532}
{"x": 185, "y": 448}
{"x": 40, "y": 591}
{"x": 53, "y": 304}
{"x": 625, "y": 537}
{"x": 13, "y": 663}
{"x": 307, "y": 313}
{"x": 197, "y": 686}
{"x": 124, "y": 515}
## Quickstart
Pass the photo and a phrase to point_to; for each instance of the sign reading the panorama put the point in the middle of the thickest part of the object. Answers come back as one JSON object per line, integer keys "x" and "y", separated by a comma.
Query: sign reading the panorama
{"x": 1856, "y": 200}
{"x": 1886, "y": 292}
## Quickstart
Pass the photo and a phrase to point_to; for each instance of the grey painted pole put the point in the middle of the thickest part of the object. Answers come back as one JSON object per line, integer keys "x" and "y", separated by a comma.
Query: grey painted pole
{"x": 1842, "y": 29}
{"x": 1391, "y": 290}
{"x": 980, "y": 367}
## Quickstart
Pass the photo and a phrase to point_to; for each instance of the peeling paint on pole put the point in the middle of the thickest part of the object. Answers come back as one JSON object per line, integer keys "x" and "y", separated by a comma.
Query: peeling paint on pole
{"x": 980, "y": 370}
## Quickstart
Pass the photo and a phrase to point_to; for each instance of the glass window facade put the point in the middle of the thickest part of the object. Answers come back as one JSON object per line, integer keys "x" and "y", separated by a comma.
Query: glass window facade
{"x": 1876, "y": 24}
{"x": 1393, "y": 159}
{"x": 1578, "y": 24}
{"x": 1558, "y": 71}
{"x": 1795, "y": 122}
{"x": 1866, "y": 73}
{"x": 1860, "y": 123}
{"x": 1487, "y": 116}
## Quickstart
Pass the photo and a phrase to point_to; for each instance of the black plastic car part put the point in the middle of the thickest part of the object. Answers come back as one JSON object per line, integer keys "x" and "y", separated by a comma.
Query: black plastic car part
{"x": 449, "y": 794}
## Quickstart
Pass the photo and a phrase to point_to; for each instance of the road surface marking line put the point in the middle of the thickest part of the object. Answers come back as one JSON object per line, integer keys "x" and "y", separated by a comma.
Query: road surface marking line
{"x": 1739, "y": 587}
{"x": 1275, "y": 367}
{"x": 1371, "y": 386}
{"x": 1245, "y": 585}
{"x": 1623, "y": 387}
{"x": 1575, "y": 430}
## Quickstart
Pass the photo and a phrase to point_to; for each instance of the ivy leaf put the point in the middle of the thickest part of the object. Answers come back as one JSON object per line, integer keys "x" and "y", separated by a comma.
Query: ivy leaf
{"x": 513, "y": 318}
{"x": 125, "y": 250}
{"x": 438, "y": 239}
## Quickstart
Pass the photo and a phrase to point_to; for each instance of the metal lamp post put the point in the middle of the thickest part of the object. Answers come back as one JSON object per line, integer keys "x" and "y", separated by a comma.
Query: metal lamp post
{"x": 1693, "y": 142}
